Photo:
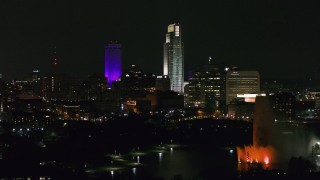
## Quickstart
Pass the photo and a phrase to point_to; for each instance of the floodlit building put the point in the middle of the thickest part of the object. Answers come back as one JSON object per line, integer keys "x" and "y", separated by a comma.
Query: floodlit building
{"x": 113, "y": 64}
{"x": 173, "y": 58}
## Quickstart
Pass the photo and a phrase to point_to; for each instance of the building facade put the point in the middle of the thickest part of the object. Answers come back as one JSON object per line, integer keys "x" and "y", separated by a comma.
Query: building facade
{"x": 284, "y": 105}
{"x": 241, "y": 82}
{"x": 162, "y": 83}
{"x": 173, "y": 58}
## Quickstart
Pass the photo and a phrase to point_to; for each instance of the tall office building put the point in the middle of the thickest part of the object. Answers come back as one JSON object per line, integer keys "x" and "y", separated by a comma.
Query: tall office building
{"x": 113, "y": 65}
{"x": 173, "y": 58}
{"x": 206, "y": 88}
{"x": 241, "y": 82}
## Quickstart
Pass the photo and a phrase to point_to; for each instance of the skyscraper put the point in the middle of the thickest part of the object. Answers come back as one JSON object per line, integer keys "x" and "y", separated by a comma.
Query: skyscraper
{"x": 112, "y": 59}
{"x": 173, "y": 58}
{"x": 206, "y": 88}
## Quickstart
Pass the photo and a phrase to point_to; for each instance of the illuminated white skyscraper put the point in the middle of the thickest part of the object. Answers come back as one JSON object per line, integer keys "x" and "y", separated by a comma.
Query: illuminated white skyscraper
{"x": 173, "y": 58}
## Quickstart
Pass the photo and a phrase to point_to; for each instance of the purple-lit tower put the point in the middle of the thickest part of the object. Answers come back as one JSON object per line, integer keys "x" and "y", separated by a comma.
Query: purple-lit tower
{"x": 112, "y": 59}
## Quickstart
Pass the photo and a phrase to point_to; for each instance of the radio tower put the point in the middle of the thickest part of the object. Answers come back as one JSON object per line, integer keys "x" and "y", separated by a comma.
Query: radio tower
{"x": 55, "y": 79}
{"x": 55, "y": 60}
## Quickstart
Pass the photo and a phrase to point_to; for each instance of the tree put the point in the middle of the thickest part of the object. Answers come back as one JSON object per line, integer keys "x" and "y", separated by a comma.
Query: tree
{"x": 299, "y": 166}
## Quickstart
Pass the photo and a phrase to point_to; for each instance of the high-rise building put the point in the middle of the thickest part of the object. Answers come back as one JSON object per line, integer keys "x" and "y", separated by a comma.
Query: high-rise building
{"x": 206, "y": 88}
{"x": 173, "y": 58}
{"x": 96, "y": 87}
{"x": 284, "y": 105}
{"x": 241, "y": 82}
{"x": 135, "y": 83}
{"x": 112, "y": 59}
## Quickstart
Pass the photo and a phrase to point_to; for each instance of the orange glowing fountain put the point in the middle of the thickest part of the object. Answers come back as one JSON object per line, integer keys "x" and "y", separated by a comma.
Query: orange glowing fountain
{"x": 261, "y": 151}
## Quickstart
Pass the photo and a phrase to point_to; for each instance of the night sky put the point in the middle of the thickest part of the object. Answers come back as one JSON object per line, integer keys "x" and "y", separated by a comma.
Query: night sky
{"x": 278, "y": 38}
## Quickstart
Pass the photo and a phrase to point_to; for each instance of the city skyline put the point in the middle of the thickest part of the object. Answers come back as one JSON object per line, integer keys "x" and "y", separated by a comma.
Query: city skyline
{"x": 163, "y": 89}
{"x": 270, "y": 37}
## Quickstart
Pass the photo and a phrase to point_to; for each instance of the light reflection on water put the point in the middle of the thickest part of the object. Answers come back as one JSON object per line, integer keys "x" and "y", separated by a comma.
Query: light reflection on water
{"x": 190, "y": 162}
{"x": 187, "y": 162}
{"x": 208, "y": 162}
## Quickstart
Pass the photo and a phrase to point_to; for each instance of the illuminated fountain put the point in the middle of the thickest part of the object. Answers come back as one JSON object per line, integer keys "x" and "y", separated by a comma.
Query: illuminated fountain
{"x": 262, "y": 151}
